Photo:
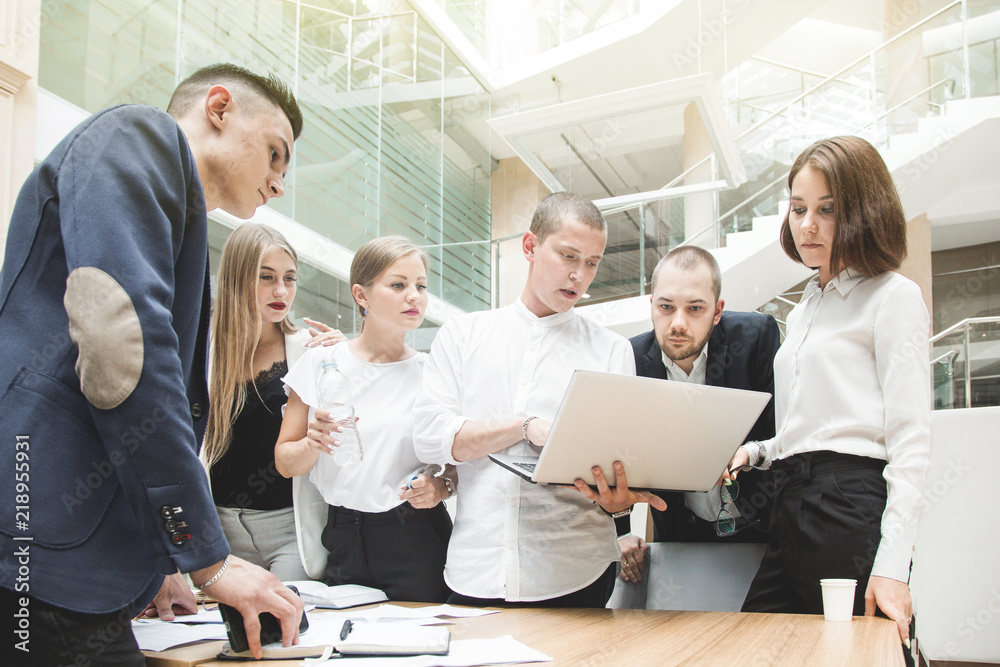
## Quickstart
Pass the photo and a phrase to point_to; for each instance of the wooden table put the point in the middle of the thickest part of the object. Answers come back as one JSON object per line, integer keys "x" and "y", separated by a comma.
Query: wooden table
{"x": 635, "y": 638}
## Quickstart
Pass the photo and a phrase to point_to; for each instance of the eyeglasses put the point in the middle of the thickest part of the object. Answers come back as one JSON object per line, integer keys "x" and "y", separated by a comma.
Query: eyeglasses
{"x": 725, "y": 525}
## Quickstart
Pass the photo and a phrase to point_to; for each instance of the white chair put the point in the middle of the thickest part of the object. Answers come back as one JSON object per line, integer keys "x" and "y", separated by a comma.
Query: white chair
{"x": 955, "y": 580}
{"x": 692, "y": 576}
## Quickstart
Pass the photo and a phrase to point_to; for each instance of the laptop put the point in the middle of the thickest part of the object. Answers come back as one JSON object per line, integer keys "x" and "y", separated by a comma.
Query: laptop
{"x": 669, "y": 435}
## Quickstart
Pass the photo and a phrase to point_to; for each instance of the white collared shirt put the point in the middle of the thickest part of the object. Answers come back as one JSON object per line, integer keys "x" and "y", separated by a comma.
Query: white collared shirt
{"x": 706, "y": 504}
{"x": 513, "y": 539}
{"x": 853, "y": 377}
{"x": 677, "y": 374}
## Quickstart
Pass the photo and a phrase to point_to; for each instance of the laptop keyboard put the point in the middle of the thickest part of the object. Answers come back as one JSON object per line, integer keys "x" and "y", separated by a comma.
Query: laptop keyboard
{"x": 527, "y": 467}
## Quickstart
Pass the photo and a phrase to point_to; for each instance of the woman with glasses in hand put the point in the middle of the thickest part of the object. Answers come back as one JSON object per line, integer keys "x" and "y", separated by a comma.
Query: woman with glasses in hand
{"x": 852, "y": 395}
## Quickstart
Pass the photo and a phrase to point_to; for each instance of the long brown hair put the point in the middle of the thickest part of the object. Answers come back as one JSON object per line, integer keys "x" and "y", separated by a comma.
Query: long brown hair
{"x": 871, "y": 226}
{"x": 236, "y": 329}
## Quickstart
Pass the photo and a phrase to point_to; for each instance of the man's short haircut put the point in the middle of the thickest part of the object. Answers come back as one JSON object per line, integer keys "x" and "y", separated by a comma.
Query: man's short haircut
{"x": 250, "y": 90}
{"x": 870, "y": 237}
{"x": 561, "y": 206}
{"x": 688, "y": 258}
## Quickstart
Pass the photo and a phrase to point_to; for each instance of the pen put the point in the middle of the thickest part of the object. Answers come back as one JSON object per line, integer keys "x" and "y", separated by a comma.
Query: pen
{"x": 346, "y": 630}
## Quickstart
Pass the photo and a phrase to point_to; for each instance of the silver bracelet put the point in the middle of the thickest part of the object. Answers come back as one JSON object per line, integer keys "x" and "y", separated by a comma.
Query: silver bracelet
{"x": 450, "y": 485}
{"x": 218, "y": 574}
{"x": 524, "y": 429}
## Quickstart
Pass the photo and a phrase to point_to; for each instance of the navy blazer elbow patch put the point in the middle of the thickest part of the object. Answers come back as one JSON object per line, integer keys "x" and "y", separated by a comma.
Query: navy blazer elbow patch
{"x": 105, "y": 328}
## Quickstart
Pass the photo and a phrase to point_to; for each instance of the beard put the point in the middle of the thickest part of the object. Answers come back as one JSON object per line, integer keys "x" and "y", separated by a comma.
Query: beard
{"x": 687, "y": 351}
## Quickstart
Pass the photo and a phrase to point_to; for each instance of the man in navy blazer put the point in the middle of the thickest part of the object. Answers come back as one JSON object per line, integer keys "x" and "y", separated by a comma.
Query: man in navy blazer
{"x": 695, "y": 340}
{"x": 104, "y": 311}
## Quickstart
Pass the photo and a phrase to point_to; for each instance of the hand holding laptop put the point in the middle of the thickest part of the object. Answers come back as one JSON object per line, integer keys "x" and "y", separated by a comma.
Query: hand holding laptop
{"x": 620, "y": 497}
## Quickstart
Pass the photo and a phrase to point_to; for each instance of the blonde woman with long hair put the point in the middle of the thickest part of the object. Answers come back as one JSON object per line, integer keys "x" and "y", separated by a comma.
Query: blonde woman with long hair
{"x": 253, "y": 344}
{"x": 380, "y": 531}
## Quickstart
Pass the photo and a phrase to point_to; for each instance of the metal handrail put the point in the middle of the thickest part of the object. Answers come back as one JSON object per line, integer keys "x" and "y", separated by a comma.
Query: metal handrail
{"x": 966, "y": 324}
{"x": 948, "y": 356}
{"x": 778, "y": 180}
{"x": 969, "y": 321}
{"x": 775, "y": 63}
{"x": 850, "y": 66}
{"x": 769, "y": 186}
{"x": 903, "y": 103}
{"x": 833, "y": 77}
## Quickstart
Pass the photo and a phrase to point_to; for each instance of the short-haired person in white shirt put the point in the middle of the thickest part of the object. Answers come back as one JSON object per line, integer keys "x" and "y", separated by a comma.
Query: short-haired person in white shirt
{"x": 379, "y": 532}
{"x": 852, "y": 395}
{"x": 493, "y": 383}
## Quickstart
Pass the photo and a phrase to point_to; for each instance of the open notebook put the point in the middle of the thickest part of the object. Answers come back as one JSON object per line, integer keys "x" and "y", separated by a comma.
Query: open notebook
{"x": 323, "y": 639}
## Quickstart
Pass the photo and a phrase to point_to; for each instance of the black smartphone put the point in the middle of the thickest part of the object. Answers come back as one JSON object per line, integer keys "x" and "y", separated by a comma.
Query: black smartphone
{"x": 270, "y": 628}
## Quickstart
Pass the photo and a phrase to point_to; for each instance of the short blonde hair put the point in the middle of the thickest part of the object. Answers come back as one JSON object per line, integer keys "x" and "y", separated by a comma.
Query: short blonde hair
{"x": 376, "y": 256}
{"x": 560, "y": 206}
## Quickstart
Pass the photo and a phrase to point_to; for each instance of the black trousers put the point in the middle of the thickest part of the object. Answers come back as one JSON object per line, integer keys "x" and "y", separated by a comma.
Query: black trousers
{"x": 596, "y": 595}
{"x": 825, "y": 523}
{"x": 401, "y": 551}
{"x": 58, "y": 637}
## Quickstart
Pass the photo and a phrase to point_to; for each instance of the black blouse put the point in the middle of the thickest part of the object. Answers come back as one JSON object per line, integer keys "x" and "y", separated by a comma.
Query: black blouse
{"x": 246, "y": 475}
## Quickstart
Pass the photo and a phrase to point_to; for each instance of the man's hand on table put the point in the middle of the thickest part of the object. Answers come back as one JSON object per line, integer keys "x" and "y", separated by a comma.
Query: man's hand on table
{"x": 174, "y": 599}
{"x": 252, "y": 590}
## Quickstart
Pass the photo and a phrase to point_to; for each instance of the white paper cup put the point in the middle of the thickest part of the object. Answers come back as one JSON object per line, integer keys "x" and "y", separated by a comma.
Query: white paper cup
{"x": 838, "y": 598}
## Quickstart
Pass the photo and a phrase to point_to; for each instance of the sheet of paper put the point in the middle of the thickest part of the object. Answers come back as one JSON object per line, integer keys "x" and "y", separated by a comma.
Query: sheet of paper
{"x": 325, "y": 628}
{"x": 387, "y": 611}
{"x": 203, "y": 616}
{"x": 463, "y": 653}
{"x": 156, "y": 635}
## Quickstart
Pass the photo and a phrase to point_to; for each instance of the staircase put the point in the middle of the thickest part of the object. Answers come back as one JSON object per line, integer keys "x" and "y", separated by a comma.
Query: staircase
{"x": 928, "y": 142}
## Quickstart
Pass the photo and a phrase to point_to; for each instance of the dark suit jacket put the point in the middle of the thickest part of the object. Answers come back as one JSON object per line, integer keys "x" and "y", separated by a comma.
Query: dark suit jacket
{"x": 740, "y": 356}
{"x": 104, "y": 307}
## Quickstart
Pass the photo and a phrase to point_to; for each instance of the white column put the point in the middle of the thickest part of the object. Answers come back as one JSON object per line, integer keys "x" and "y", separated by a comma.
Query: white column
{"x": 20, "y": 23}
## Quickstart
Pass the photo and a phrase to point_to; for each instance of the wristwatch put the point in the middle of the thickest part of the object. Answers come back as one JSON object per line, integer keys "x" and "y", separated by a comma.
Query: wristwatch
{"x": 615, "y": 515}
{"x": 761, "y": 453}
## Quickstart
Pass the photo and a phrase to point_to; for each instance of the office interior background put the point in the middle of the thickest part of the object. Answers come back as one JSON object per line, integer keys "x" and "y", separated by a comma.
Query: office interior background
{"x": 448, "y": 120}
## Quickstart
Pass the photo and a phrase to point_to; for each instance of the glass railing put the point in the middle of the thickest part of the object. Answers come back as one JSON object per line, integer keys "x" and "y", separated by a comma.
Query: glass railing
{"x": 879, "y": 95}
{"x": 779, "y": 111}
{"x": 395, "y": 138}
{"x": 965, "y": 364}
